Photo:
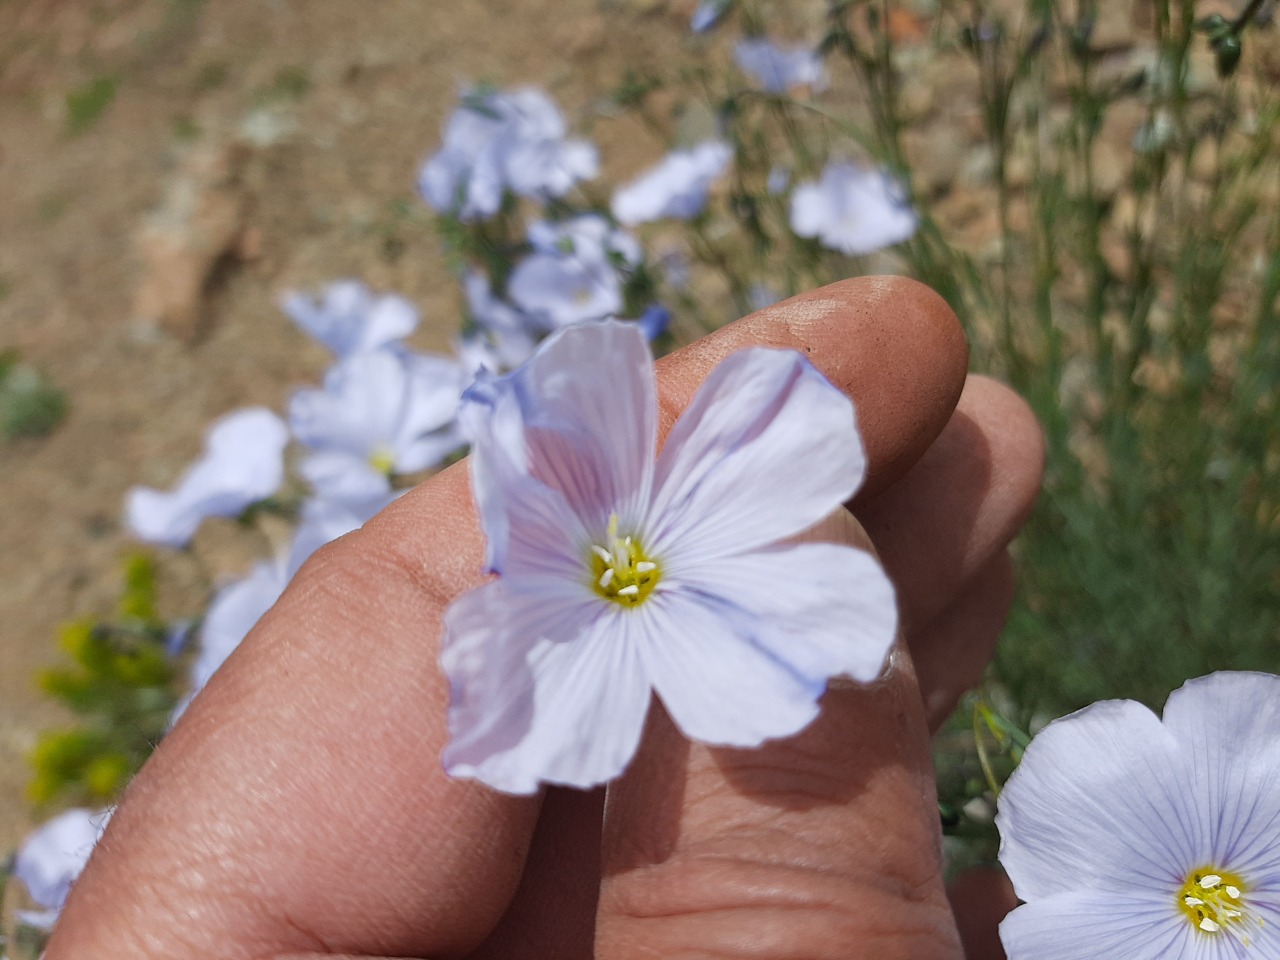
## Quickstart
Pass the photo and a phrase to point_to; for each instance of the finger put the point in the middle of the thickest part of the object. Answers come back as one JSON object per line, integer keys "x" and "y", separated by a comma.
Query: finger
{"x": 300, "y": 804}
{"x": 980, "y": 898}
{"x": 553, "y": 912}
{"x": 931, "y": 333}
{"x": 961, "y": 504}
{"x": 892, "y": 345}
{"x": 823, "y": 845}
{"x": 952, "y": 651}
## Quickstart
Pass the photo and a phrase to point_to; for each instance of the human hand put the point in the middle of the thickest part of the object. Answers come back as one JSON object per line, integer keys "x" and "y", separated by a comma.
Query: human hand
{"x": 299, "y": 810}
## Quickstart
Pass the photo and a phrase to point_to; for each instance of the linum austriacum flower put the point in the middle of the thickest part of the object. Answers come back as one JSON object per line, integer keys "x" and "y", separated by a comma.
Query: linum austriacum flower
{"x": 1133, "y": 837}
{"x": 622, "y": 575}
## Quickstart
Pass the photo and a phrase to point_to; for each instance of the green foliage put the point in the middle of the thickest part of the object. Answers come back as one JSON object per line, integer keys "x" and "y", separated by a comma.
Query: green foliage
{"x": 1140, "y": 321}
{"x": 289, "y": 83}
{"x": 30, "y": 406}
{"x": 121, "y": 682}
{"x": 86, "y": 104}
{"x": 211, "y": 76}
{"x": 185, "y": 129}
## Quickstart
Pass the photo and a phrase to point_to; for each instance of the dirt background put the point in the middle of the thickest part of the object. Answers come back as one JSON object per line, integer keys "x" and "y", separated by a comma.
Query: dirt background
{"x": 252, "y": 146}
{"x": 257, "y": 146}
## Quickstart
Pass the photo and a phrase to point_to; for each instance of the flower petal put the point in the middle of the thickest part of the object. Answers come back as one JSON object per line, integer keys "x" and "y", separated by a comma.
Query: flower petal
{"x": 546, "y": 686}
{"x": 1101, "y": 797}
{"x": 578, "y": 419}
{"x": 350, "y": 318}
{"x": 767, "y": 448}
{"x": 721, "y": 683}
{"x": 428, "y": 430}
{"x": 50, "y": 860}
{"x": 1228, "y": 724}
{"x": 1102, "y": 924}
{"x": 243, "y": 463}
{"x": 823, "y": 608}
{"x": 344, "y": 477}
{"x": 233, "y": 613}
{"x": 360, "y": 408}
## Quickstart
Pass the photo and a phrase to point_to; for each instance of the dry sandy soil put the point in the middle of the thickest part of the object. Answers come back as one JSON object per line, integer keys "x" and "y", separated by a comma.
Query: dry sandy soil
{"x": 256, "y": 146}
{"x": 252, "y": 146}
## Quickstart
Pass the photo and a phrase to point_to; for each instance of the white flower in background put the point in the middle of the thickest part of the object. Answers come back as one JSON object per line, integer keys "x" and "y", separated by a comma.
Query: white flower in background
{"x": 1133, "y": 837}
{"x": 707, "y": 14}
{"x": 575, "y": 272}
{"x": 623, "y": 574}
{"x": 350, "y": 318}
{"x": 52, "y": 858}
{"x": 778, "y": 181}
{"x": 653, "y": 321}
{"x": 778, "y": 69}
{"x": 231, "y": 615}
{"x": 379, "y": 414}
{"x": 503, "y": 337}
{"x": 762, "y": 295}
{"x": 496, "y": 142}
{"x": 853, "y": 209}
{"x": 243, "y": 463}
{"x": 676, "y": 187}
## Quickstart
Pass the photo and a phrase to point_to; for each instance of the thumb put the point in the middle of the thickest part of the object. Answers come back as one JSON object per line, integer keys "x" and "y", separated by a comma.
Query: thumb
{"x": 825, "y": 844}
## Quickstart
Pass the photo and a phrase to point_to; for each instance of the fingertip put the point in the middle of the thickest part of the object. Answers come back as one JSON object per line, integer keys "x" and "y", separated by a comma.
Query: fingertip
{"x": 1016, "y": 442}
{"x": 890, "y": 343}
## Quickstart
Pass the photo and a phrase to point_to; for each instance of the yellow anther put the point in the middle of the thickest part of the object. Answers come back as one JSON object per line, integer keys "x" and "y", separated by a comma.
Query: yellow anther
{"x": 620, "y": 570}
{"x": 1210, "y": 899}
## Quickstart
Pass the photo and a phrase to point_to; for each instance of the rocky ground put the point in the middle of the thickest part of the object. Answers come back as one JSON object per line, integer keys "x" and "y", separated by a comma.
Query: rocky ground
{"x": 249, "y": 147}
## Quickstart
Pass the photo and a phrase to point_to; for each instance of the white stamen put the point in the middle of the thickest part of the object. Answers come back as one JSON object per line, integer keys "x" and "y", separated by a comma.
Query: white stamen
{"x": 644, "y": 566}
{"x": 1233, "y": 892}
{"x": 630, "y": 591}
{"x": 606, "y": 578}
{"x": 1193, "y": 901}
{"x": 1208, "y": 926}
{"x": 1210, "y": 881}
{"x": 1231, "y": 914}
{"x": 627, "y": 541}
{"x": 602, "y": 553}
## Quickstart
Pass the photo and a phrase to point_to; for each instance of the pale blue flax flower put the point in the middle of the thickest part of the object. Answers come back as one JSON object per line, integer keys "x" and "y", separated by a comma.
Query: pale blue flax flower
{"x": 707, "y": 14}
{"x": 778, "y": 69}
{"x": 501, "y": 336}
{"x": 52, "y": 858}
{"x": 495, "y": 142}
{"x": 853, "y": 209}
{"x": 677, "y": 187}
{"x": 350, "y": 318}
{"x": 243, "y": 463}
{"x": 379, "y": 414}
{"x": 623, "y": 573}
{"x": 575, "y": 273}
{"x": 1136, "y": 838}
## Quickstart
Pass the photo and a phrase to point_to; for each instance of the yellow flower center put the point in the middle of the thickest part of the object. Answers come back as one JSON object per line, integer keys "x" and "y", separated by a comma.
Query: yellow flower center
{"x": 1212, "y": 900}
{"x": 620, "y": 569}
{"x": 383, "y": 460}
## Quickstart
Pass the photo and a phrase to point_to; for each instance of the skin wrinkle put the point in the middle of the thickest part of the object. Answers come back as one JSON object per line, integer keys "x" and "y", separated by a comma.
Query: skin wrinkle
{"x": 763, "y": 904}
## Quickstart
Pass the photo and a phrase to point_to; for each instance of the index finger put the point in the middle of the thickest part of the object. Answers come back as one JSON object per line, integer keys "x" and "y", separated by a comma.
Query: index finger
{"x": 300, "y": 805}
